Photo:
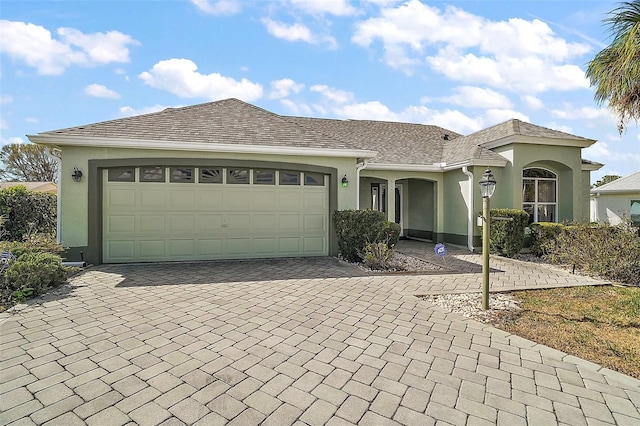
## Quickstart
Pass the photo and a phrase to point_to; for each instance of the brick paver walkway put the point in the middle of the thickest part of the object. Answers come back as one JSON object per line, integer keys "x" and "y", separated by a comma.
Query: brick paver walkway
{"x": 307, "y": 341}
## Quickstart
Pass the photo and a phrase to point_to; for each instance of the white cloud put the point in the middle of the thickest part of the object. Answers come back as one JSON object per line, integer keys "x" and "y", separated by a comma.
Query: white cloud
{"x": 34, "y": 45}
{"x": 532, "y": 102}
{"x": 582, "y": 113}
{"x": 299, "y": 109}
{"x": 31, "y": 120}
{"x": 496, "y": 115}
{"x": 517, "y": 55}
{"x": 318, "y": 7}
{"x": 100, "y": 91}
{"x": 284, "y": 87}
{"x": 181, "y": 77}
{"x": 4, "y": 125}
{"x": 127, "y": 111}
{"x": 331, "y": 94}
{"x": 477, "y": 97}
{"x": 296, "y": 32}
{"x": 293, "y": 32}
{"x": 219, "y": 7}
{"x": 447, "y": 119}
{"x": 11, "y": 141}
{"x": 6, "y": 99}
{"x": 373, "y": 110}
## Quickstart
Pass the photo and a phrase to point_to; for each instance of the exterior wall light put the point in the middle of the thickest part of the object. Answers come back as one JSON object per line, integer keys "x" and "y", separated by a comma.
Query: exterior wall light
{"x": 76, "y": 175}
{"x": 487, "y": 188}
{"x": 345, "y": 181}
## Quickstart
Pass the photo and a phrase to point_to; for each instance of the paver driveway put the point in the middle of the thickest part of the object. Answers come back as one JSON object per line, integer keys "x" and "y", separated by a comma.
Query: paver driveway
{"x": 290, "y": 342}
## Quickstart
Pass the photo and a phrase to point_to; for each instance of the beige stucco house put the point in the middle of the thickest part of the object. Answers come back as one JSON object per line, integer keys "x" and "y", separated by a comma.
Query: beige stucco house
{"x": 613, "y": 202}
{"x": 227, "y": 179}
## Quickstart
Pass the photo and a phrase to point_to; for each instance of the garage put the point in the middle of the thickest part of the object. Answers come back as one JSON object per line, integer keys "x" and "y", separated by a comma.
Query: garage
{"x": 180, "y": 213}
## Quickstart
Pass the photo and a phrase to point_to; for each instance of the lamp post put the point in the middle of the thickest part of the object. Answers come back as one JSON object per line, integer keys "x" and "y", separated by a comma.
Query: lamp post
{"x": 487, "y": 187}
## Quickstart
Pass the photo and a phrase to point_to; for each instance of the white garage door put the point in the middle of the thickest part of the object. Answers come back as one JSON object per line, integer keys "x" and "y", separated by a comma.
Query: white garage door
{"x": 194, "y": 213}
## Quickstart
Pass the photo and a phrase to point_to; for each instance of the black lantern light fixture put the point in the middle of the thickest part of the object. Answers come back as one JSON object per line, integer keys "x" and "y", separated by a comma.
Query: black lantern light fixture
{"x": 76, "y": 175}
{"x": 345, "y": 181}
{"x": 487, "y": 184}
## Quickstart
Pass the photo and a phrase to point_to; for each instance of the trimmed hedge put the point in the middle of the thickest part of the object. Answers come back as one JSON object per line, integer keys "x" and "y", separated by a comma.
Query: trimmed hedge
{"x": 507, "y": 236}
{"x": 25, "y": 212}
{"x": 610, "y": 252}
{"x": 356, "y": 229}
{"x": 543, "y": 237}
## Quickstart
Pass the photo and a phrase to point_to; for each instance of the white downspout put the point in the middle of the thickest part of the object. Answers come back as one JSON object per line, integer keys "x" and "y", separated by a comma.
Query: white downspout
{"x": 470, "y": 209}
{"x": 364, "y": 164}
{"x": 596, "y": 213}
{"x": 56, "y": 155}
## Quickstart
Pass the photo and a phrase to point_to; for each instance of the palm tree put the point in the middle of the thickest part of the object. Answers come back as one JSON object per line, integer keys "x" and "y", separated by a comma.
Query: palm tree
{"x": 615, "y": 71}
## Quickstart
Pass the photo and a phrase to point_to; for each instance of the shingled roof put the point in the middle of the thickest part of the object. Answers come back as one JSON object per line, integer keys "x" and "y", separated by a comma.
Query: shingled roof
{"x": 229, "y": 121}
{"x": 629, "y": 183}
{"x": 395, "y": 143}
{"x": 515, "y": 127}
{"x": 234, "y": 122}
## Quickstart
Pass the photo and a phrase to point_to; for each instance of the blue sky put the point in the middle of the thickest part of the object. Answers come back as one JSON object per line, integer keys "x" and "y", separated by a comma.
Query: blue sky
{"x": 461, "y": 65}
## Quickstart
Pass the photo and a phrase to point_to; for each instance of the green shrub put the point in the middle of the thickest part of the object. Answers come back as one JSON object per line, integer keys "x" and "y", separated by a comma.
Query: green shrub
{"x": 378, "y": 256}
{"x": 26, "y": 211}
{"x": 32, "y": 243}
{"x": 357, "y": 228}
{"x": 610, "y": 252}
{"x": 543, "y": 237}
{"x": 34, "y": 273}
{"x": 507, "y": 236}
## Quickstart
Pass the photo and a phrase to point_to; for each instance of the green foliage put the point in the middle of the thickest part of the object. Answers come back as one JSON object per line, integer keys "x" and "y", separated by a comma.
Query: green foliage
{"x": 615, "y": 70}
{"x": 610, "y": 252}
{"x": 605, "y": 180}
{"x": 357, "y": 228}
{"x": 32, "y": 243}
{"x": 34, "y": 273}
{"x": 25, "y": 212}
{"x": 543, "y": 237}
{"x": 378, "y": 256}
{"x": 507, "y": 236}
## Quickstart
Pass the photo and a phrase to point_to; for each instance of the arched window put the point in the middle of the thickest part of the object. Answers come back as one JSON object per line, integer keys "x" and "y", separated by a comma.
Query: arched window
{"x": 539, "y": 195}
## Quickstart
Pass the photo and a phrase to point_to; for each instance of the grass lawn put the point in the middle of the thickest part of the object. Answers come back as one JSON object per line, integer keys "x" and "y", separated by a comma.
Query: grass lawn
{"x": 597, "y": 323}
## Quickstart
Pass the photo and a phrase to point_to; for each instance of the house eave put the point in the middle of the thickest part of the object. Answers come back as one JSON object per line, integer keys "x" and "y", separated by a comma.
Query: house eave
{"x": 437, "y": 167}
{"x": 538, "y": 140}
{"x": 197, "y": 146}
{"x": 591, "y": 167}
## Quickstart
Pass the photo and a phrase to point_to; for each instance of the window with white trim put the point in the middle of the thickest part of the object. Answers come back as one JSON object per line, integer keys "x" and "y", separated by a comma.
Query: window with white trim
{"x": 540, "y": 195}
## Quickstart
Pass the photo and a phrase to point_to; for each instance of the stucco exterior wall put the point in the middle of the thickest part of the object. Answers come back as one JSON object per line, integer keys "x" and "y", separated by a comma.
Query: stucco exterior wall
{"x": 75, "y": 195}
{"x": 566, "y": 162}
{"x": 612, "y": 208}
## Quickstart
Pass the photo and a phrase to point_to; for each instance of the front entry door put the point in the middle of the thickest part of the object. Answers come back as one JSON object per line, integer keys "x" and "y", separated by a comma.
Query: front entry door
{"x": 379, "y": 201}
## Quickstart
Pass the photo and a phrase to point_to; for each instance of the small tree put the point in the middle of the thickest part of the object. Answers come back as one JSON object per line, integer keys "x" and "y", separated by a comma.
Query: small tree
{"x": 26, "y": 212}
{"x": 605, "y": 180}
{"x": 27, "y": 163}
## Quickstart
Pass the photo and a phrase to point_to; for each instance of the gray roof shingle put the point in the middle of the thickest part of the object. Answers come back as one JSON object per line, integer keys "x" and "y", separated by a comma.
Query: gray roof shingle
{"x": 232, "y": 121}
{"x": 629, "y": 183}
{"x": 229, "y": 121}
{"x": 515, "y": 127}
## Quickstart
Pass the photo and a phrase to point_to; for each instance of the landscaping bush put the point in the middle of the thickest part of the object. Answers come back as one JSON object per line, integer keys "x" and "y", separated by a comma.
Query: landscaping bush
{"x": 33, "y": 273}
{"x": 357, "y": 228}
{"x": 26, "y": 211}
{"x": 507, "y": 236}
{"x": 543, "y": 237}
{"x": 610, "y": 252}
{"x": 378, "y": 256}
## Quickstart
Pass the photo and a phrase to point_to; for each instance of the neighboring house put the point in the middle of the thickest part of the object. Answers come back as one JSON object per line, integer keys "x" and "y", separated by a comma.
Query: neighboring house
{"x": 33, "y": 186}
{"x": 617, "y": 200}
{"x": 227, "y": 179}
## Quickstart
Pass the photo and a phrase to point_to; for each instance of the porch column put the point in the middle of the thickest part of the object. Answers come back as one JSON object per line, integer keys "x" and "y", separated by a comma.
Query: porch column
{"x": 391, "y": 200}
